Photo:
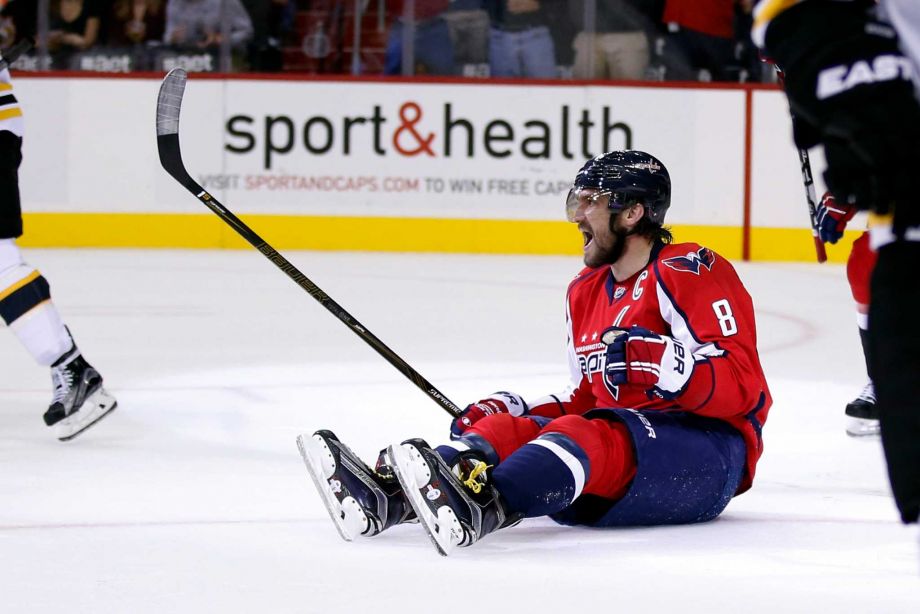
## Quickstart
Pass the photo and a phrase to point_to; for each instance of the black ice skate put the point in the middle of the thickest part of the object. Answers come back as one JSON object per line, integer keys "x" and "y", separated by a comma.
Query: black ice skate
{"x": 862, "y": 414}
{"x": 360, "y": 501}
{"x": 79, "y": 401}
{"x": 456, "y": 506}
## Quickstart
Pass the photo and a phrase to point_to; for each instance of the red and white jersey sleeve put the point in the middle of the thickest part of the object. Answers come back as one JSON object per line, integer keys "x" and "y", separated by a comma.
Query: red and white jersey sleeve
{"x": 687, "y": 292}
{"x": 706, "y": 307}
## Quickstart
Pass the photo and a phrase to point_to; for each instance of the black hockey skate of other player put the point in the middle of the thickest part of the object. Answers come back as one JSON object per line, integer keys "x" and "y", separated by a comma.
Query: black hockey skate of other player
{"x": 79, "y": 400}
{"x": 661, "y": 422}
{"x": 849, "y": 86}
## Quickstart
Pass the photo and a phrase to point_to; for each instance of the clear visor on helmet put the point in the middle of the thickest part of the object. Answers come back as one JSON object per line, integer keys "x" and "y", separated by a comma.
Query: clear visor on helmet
{"x": 581, "y": 198}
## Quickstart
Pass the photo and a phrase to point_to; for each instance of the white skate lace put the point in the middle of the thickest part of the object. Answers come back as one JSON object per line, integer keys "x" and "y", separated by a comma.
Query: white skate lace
{"x": 868, "y": 393}
{"x": 62, "y": 379}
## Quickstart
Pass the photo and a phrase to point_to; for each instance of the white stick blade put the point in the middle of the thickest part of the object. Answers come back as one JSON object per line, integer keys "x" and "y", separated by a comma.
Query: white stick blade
{"x": 169, "y": 101}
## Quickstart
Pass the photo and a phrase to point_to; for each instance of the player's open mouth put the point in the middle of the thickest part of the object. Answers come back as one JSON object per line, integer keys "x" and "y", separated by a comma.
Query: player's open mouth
{"x": 587, "y": 236}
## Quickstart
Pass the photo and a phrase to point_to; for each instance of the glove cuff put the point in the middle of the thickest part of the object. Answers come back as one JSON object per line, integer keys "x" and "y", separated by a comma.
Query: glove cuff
{"x": 514, "y": 403}
{"x": 676, "y": 368}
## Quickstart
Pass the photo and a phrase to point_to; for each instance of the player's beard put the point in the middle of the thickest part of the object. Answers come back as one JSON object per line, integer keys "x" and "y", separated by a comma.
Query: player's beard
{"x": 614, "y": 242}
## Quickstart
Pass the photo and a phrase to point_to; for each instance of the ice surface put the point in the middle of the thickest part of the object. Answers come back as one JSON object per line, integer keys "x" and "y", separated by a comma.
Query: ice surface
{"x": 191, "y": 497}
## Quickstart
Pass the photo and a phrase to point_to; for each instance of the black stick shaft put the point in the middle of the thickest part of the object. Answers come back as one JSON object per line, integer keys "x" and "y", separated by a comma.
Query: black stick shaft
{"x": 168, "y": 106}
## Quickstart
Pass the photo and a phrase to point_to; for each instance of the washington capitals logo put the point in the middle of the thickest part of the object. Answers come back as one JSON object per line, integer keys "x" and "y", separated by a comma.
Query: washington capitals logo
{"x": 692, "y": 262}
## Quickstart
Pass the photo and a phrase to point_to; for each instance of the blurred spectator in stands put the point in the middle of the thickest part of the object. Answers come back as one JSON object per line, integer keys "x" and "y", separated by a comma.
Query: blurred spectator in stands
{"x": 197, "y": 23}
{"x": 133, "y": 22}
{"x": 747, "y": 57}
{"x": 432, "y": 48}
{"x": 563, "y": 32}
{"x": 615, "y": 44}
{"x": 323, "y": 41}
{"x": 520, "y": 43}
{"x": 17, "y": 19}
{"x": 468, "y": 24}
{"x": 273, "y": 21}
{"x": 7, "y": 31}
{"x": 73, "y": 27}
{"x": 700, "y": 39}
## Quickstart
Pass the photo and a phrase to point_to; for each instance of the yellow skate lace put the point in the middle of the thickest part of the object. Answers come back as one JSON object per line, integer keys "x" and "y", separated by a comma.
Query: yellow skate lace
{"x": 472, "y": 482}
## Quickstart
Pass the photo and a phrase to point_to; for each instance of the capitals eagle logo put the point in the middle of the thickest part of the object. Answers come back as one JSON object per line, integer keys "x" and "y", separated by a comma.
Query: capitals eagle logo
{"x": 692, "y": 262}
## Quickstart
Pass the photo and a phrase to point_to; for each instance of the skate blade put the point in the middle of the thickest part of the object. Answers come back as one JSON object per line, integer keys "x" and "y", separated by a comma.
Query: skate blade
{"x": 861, "y": 427}
{"x": 348, "y": 517}
{"x": 435, "y": 525}
{"x": 96, "y": 407}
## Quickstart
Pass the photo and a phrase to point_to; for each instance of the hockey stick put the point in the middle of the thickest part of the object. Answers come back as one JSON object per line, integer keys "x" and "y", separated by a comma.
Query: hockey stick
{"x": 809, "y": 181}
{"x": 12, "y": 54}
{"x": 810, "y": 196}
{"x": 169, "y": 104}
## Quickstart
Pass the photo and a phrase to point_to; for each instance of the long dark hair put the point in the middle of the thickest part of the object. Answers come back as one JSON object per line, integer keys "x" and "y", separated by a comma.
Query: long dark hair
{"x": 656, "y": 232}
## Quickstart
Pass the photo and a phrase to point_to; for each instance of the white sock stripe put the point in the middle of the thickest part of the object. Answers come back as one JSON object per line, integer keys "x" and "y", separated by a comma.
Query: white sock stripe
{"x": 574, "y": 465}
{"x": 42, "y": 333}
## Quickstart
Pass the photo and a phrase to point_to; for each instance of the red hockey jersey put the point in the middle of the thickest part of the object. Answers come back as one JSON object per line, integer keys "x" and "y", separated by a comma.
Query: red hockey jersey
{"x": 691, "y": 294}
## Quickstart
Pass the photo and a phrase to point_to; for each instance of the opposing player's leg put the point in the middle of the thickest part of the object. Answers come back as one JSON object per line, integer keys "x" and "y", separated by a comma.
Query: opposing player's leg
{"x": 862, "y": 412}
{"x": 361, "y": 501}
{"x": 79, "y": 399}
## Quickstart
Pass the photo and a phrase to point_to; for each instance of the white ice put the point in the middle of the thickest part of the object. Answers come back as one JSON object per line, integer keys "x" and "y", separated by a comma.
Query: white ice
{"x": 191, "y": 497}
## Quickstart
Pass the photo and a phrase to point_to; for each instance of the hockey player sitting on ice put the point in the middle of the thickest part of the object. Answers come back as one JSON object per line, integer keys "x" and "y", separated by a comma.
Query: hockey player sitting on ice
{"x": 662, "y": 422}
{"x": 25, "y": 299}
{"x": 832, "y": 217}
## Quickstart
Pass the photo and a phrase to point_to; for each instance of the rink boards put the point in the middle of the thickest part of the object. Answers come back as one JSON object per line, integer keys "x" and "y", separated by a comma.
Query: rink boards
{"x": 432, "y": 166}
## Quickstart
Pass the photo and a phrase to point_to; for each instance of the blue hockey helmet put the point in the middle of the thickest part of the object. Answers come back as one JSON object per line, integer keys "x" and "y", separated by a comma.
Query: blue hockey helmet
{"x": 626, "y": 177}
